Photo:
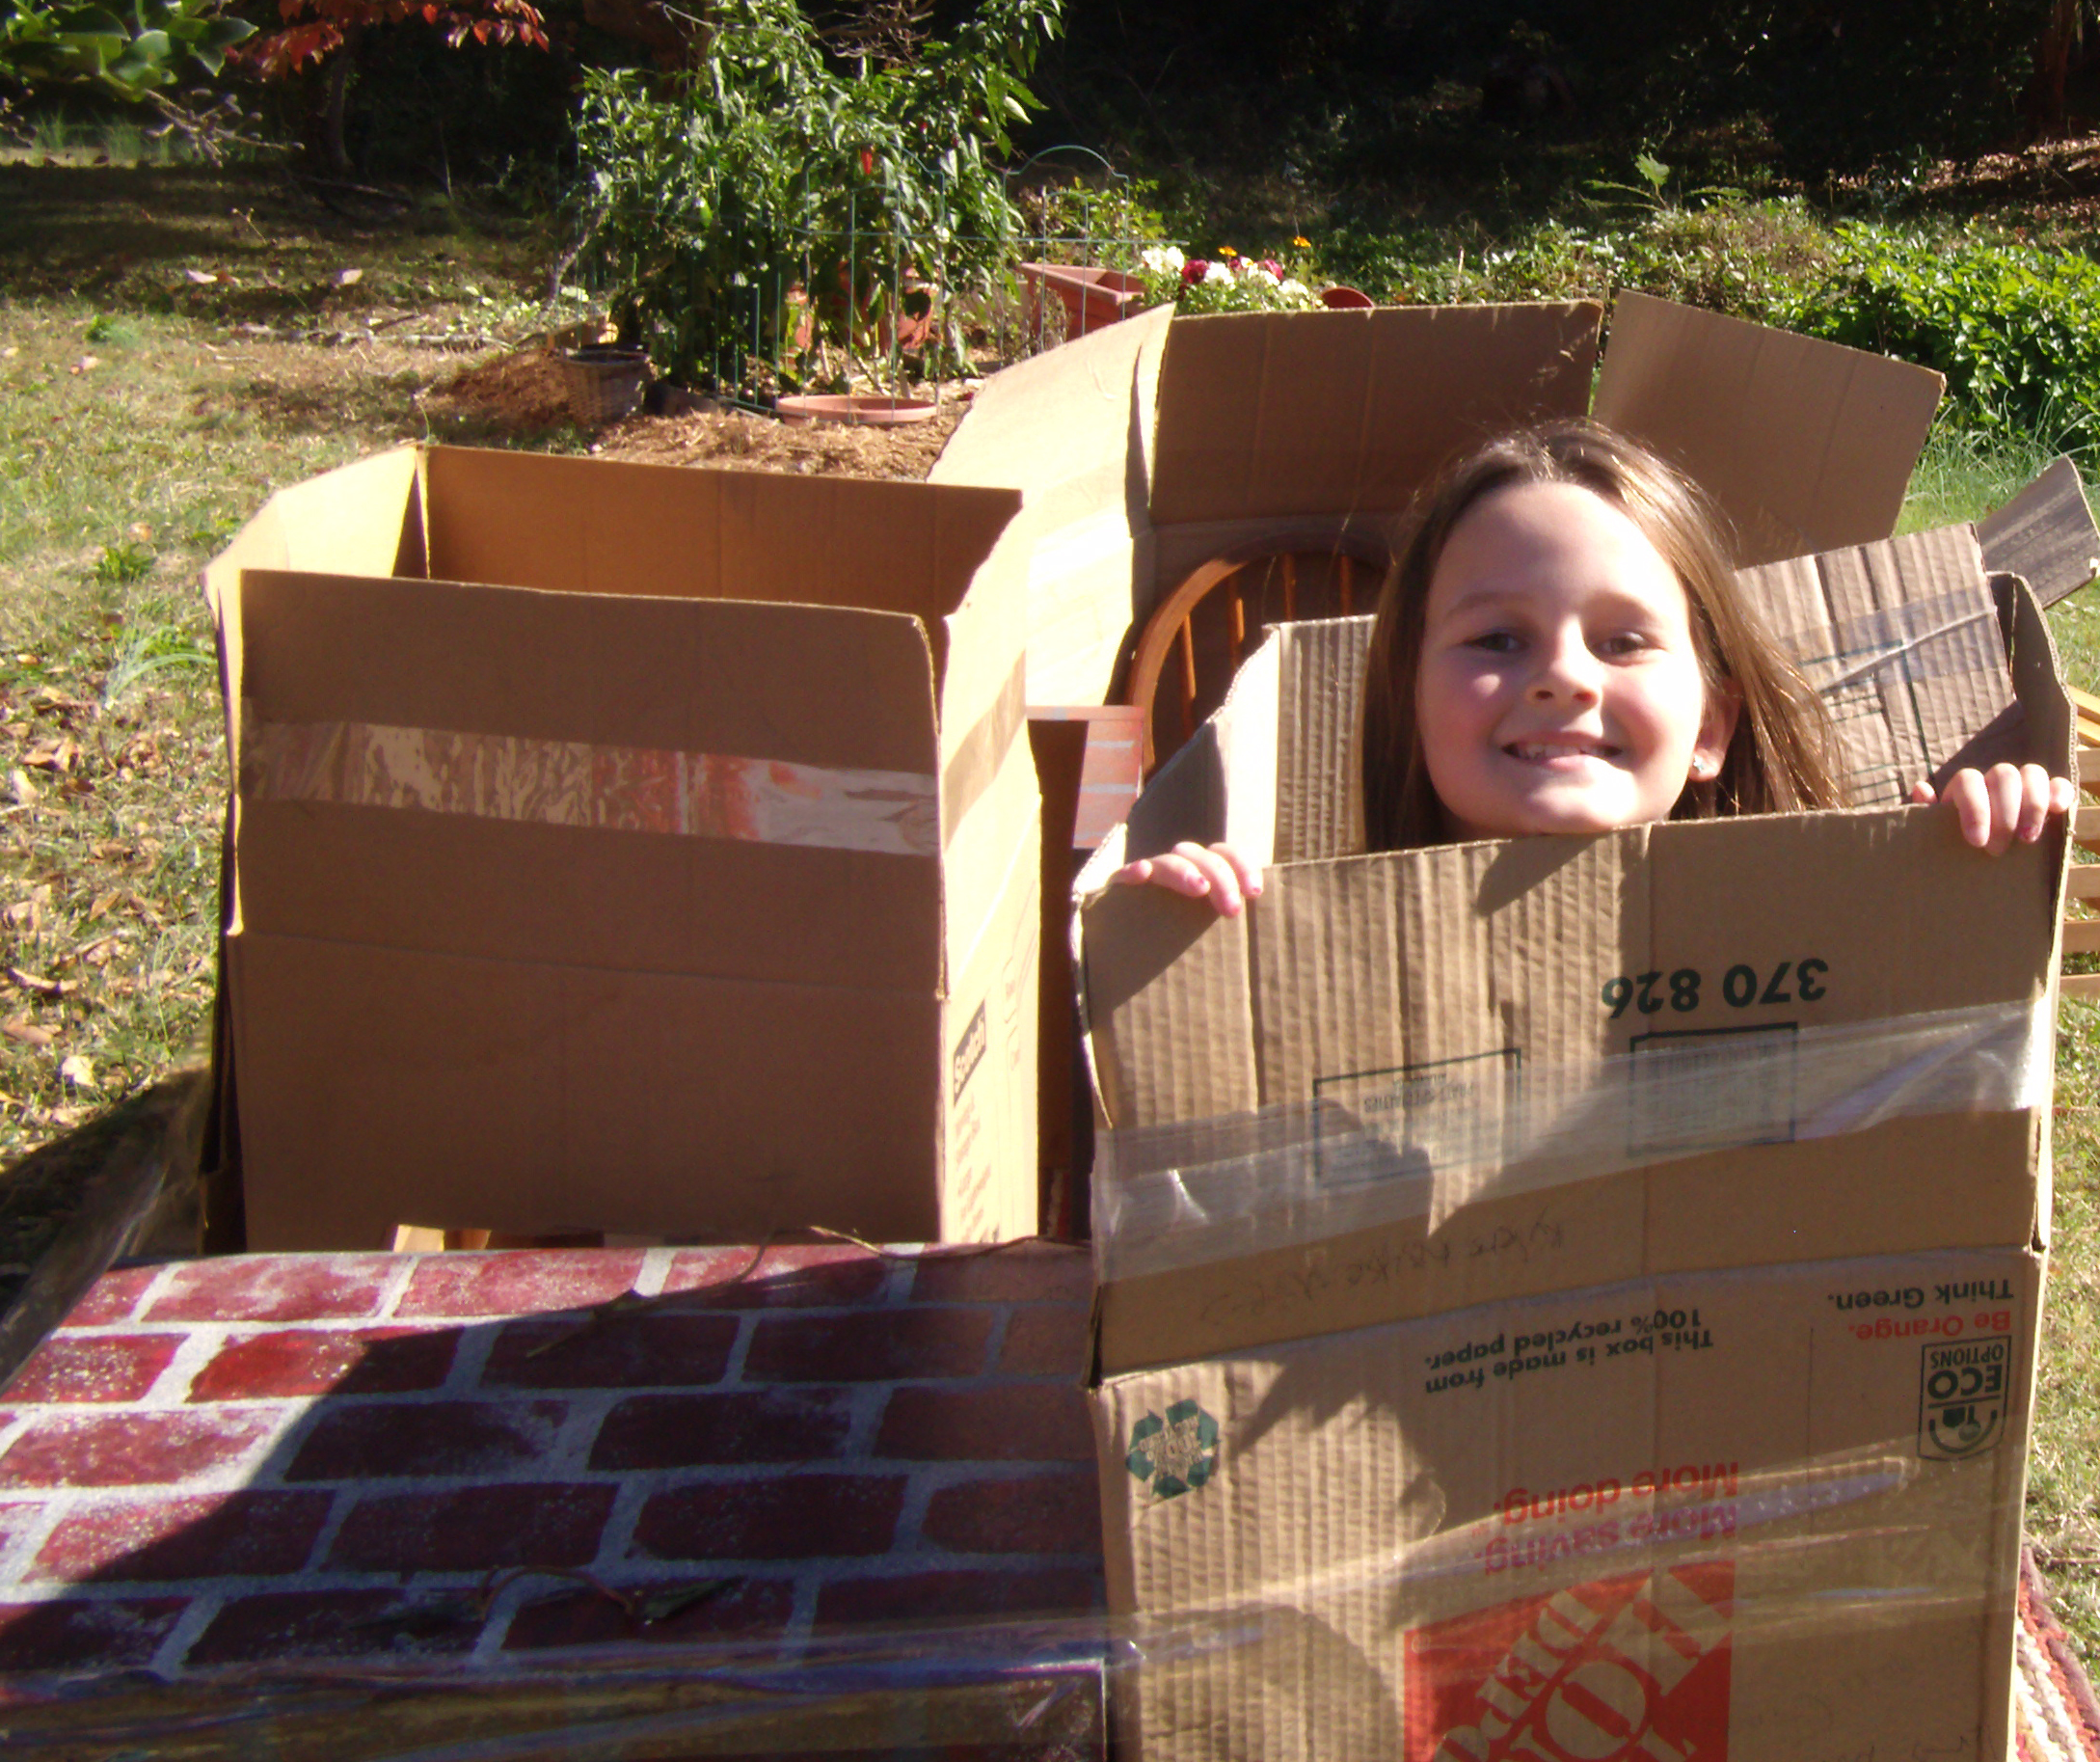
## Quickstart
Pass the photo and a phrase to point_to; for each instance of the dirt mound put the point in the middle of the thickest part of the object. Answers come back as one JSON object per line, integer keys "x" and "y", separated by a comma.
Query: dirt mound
{"x": 734, "y": 438}
{"x": 524, "y": 394}
{"x": 520, "y": 393}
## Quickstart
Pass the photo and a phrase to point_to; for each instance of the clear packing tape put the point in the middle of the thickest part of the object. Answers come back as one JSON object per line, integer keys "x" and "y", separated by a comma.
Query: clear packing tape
{"x": 1386, "y": 1147}
{"x": 1669, "y": 1603}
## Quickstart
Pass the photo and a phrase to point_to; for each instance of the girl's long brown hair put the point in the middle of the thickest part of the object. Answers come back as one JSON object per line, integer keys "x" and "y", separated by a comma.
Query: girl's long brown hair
{"x": 1782, "y": 757}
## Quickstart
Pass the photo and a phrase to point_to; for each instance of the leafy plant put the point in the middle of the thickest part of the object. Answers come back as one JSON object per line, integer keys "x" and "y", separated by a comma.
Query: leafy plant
{"x": 1652, "y": 195}
{"x": 131, "y": 53}
{"x": 2016, "y": 330}
{"x": 124, "y": 562}
{"x": 767, "y": 191}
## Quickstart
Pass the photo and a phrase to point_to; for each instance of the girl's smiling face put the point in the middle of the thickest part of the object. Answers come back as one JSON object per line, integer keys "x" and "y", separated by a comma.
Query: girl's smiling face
{"x": 1560, "y": 690}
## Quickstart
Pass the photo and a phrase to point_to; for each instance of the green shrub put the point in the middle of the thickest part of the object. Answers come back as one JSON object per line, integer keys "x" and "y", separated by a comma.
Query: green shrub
{"x": 712, "y": 195}
{"x": 2016, "y": 330}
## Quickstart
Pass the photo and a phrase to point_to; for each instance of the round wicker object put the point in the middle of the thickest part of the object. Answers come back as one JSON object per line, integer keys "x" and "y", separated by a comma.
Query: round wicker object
{"x": 603, "y": 384}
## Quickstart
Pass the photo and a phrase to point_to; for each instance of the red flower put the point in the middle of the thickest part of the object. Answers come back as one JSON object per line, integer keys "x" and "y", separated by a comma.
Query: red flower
{"x": 1195, "y": 270}
{"x": 867, "y": 162}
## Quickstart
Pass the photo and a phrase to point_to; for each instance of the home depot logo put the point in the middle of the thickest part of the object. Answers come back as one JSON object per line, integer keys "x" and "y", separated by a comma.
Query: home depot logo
{"x": 1634, "y": 1668}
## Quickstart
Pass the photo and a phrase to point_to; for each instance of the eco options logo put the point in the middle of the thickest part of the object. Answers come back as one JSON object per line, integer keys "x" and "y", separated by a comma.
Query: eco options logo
{"x": 1176, "y": 1455}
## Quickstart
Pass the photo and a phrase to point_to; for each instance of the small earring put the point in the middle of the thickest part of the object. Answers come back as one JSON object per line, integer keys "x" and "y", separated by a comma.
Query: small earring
{"x": 1702, "y": 769}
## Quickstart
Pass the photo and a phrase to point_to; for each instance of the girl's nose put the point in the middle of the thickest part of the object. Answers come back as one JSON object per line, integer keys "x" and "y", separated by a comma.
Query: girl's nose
{"x": 1566, "y": 669}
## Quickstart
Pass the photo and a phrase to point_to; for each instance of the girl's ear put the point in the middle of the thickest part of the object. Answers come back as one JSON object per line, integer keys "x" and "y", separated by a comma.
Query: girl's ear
{"x": 1716, "y": 728}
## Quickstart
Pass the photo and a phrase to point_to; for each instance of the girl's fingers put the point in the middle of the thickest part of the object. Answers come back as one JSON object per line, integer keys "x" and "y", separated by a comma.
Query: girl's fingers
{"x": 1970, "y": 802}
{"x": 2007, "y": 792}
{"x": 2035, "y": 797}
{"x": 1217, "y": 873}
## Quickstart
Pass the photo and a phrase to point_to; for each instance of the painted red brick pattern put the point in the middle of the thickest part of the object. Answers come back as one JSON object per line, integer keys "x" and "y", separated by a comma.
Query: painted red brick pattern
{"x": 666, "y": 1611}
{"x": 1046, "y": 1339}
{"x": 1004, "y": 1423}
{"x": 786, "y": 1517}
{"x": 106, "y": 1368}
{"x": 243, "y": 1534}
{"x": 791, "y": 1276}
{"x": 107, "y": 1634}
{"x": 113, "y": 1297}
{"x": 275, "y": 1288}
{"x": 636, "y": 1350}
{"x": 527, "y": 1283}
{"x": 136, "y": 1448}
{"x": 671, "y": 1431}
{"x": 307, "y": 1362}
{"x": 435, "y": 1460}
{"x": 879, "y": 1346}
{"x": 1028, "y": 1272}
{"x": 475, "y": 1528}
{"x": 278, "y": 1627}
{"x": 1053, "y": 1513}
{"x": 392, "y": 1439}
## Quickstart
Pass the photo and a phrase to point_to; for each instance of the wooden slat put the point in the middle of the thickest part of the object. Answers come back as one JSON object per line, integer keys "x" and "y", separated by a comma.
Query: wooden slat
{"x": 2085, "y": 702}
{"x": 2085, "y": 826}
{"x": 2080, "y": 984}
{"x": 2088, "y": 764}
{"x": 2084, "y": 882}
{"x": 2082, "y": 936}
{"x": 1188, "y": 678}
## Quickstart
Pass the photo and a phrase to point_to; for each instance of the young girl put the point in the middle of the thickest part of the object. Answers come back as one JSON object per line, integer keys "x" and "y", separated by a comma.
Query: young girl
{"x": 1561, "y": 648}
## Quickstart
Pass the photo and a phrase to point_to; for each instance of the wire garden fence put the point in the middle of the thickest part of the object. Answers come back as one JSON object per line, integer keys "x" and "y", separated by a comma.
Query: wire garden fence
{"x": 893, "y": 314}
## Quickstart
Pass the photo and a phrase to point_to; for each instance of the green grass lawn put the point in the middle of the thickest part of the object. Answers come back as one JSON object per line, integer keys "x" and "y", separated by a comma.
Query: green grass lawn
{"x": 144, "y": 414}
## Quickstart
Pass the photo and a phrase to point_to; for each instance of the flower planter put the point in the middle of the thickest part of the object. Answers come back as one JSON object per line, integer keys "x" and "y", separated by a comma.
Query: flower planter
{"x": 1093, "y": 296}
{"x": 868, "y": 410}
{"x": 1345, "y": 299}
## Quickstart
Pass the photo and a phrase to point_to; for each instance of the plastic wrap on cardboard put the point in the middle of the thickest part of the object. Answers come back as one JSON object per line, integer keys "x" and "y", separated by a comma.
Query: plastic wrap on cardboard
{"x": 1652, "y": 1612}
{"x": 1403, "y": 1145}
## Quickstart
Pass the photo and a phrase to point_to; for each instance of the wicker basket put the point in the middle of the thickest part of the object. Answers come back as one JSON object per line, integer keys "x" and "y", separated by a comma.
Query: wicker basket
{"x": 604, "y": 383}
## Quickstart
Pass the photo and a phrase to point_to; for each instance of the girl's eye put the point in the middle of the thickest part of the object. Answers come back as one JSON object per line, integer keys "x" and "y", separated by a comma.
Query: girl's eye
{"x": 1496, "y": 642}
{"x": 1625, "y": 642}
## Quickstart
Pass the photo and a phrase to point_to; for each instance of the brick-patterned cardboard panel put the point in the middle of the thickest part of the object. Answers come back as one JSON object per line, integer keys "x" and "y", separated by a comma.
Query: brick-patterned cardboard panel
{"x": 470, "y": 1466}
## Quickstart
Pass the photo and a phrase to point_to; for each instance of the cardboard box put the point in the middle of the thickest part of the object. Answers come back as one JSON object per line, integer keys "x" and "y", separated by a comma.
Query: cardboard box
{"x": 1448, "y": 1187}
{"x": 626, "y": 848}
{"x": 1155, "y": 445}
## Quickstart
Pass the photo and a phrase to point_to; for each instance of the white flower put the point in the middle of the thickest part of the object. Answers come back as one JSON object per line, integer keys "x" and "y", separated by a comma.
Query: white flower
{"x": 1267, "y": 274}
{"x": 1162, "y": 259}
{"x": 1217, "y": 275}
{"x": 1293, "y": 287}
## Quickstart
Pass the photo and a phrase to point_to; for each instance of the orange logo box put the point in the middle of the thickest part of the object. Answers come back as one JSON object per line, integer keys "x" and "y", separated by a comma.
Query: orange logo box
{"x": 1633, "y": 1666}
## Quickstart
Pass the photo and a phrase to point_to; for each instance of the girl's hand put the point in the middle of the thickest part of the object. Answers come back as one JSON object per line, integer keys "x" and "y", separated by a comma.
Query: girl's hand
{"x": 1993, "y": 807}
{"x": 1215, "y": 872}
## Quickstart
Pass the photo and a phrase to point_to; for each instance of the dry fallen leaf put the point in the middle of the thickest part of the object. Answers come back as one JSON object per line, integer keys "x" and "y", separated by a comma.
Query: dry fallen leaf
{"x": 36, "y": 982}
{"x": 87, "y": 363}
{"x": 102, "y": 905}
{"x": 60, "y": 755}
{"x": 27, "y": 915}
{"x": 20, "y": 787}
{"x": 349, "y": 277}
{"x": 77, "y": 1071}
{"x": 22, "y": 1028}
{"x": 98, "y": 951}
{"x": 200, "y": 278}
